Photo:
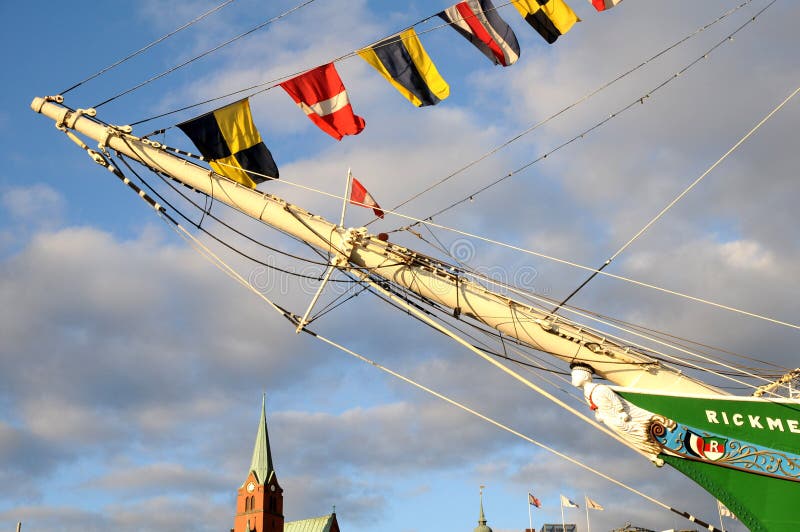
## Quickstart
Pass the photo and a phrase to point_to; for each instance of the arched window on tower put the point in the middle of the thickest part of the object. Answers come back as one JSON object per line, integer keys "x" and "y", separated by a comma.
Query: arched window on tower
{"x": 273, "y": 507}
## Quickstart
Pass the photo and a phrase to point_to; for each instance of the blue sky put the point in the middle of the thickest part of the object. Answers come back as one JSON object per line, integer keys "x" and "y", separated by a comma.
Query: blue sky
{"x": 131, "y": 371}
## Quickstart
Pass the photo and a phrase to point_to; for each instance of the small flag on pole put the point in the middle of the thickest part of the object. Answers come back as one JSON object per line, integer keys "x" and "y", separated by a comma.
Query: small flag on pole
{"x": 724, "y": 511}
{"x": 592, "y": 505}
{"x": 533, "y": 500}
{"x": 361, "y": 197}
{"x": 567, "y": 503}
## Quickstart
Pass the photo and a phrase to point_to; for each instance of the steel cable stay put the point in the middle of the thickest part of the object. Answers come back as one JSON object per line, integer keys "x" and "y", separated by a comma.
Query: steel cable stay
{"x": 435, "y": 311}
{"x": 204, "y": 54}
{"x": 292, "y": 318}
{"x": 676, "y": 340}
{"x": 669, "y": 357}
{"x": 753, "y": 18}
{"x": 568, "y": 107}
{"x": 148, "y": 46}
{"x": 671, "y": 360}
{"x": 637, "y": 101}
{"x": 698, "y": 346}
{"x": 210, "y": 255}
{"x": 365, "y": 275}
{"x": 207, "y": 253}
{"x": 439, "y": 246}
{"x": 221, "y": 241}
{"x": 680, "y": 196}
{"x": 646, "y": 334}
{"x": 271, "y": 84}
{"x": 669, "y": 339}
{"x": 573, "y": 264}
{"x": 518, "y": 434}
{"x": 605, "y": 323}
{"x": 265, "y": 86}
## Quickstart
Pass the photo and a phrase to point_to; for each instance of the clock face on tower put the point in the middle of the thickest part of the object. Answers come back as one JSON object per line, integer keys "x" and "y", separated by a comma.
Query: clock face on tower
{"x": 272, "y": 487}
{"x": 251, "y": 487}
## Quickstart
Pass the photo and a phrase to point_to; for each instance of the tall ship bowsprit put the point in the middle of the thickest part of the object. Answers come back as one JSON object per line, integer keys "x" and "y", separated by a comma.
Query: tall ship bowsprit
{"x": 743, "y": 449}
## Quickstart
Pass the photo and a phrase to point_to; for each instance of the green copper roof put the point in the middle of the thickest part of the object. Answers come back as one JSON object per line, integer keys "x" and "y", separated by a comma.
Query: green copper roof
{"x": 482, "y": 519}
{"x": 315, "y": 524}
{"x": 261, "y": 463}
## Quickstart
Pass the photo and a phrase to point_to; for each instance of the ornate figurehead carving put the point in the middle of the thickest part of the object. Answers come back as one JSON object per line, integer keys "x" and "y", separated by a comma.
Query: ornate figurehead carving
{"x": 623, "y": 417}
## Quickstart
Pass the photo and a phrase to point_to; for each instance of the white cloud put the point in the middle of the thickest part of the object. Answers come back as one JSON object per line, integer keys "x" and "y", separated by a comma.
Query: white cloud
{"x": 748, "y": 255}
{"x": 125, "y": 349}
{"x": 33, "y": 203}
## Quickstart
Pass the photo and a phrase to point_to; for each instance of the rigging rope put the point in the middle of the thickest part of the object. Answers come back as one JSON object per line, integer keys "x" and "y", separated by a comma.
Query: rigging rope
{"x": 147, "y": 47}
{"x": 209, "y": 255}
{"x": 207, "y": 52}
{"x": 675, "y": 339}
{"x": 231, "y": 272}
{"x": 632, "y": 330}
{"x": 207, "y": 252}
{"x": 483, "y": 346}
{"x": 640, "y": 100}
{"x": 227, "y": 245}
{"x": 418, "y": 313}
{"x": 492, "y": 332}
{"x": 271, "y": 84}
{"x": 682, "y": 194}
{"x": 574, "y": 104}
{"x": 513, "y": 247}
{"x": 740, "y": 371}
{"x": 508, "y": 429}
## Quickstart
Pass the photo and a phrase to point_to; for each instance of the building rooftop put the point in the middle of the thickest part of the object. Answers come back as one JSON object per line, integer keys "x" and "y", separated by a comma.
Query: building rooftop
{"x": 261, "y": 463}
{"x": 315, "y": 524}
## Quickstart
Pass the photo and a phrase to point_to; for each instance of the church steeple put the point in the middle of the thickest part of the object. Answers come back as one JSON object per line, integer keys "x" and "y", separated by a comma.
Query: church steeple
{"x": 259, "y": 502}
{"x": 261, "y": 463}
{"x": 482, "y": 519}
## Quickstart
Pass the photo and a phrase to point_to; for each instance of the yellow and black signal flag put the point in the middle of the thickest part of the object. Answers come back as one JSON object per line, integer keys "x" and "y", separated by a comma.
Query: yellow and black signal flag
{"x": 403, "y": 61}
{"x": 551, "y": 18}
{"x": 228, "y": 139}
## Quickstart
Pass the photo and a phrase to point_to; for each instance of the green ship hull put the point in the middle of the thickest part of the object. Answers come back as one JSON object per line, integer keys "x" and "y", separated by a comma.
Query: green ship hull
{"x": 744, "y": 451}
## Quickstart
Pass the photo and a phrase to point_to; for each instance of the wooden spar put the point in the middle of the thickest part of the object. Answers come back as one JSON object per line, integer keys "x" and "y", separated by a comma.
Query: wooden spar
{"x": 423, "y": 275}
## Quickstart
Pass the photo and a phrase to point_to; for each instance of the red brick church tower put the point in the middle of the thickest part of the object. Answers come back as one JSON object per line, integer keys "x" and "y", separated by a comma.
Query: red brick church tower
{"x": 259, "y": 503}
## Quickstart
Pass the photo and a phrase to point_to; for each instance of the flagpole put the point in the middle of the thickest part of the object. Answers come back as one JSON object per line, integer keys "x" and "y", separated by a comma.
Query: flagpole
{"x": 345, "y": 197}
{"x": 719, "y": 511}
{"x": 586, "y": 502}
{"x": 304, "y": 320}
{"x": 563, "y": 526}
{"x": 530, "y": 518}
